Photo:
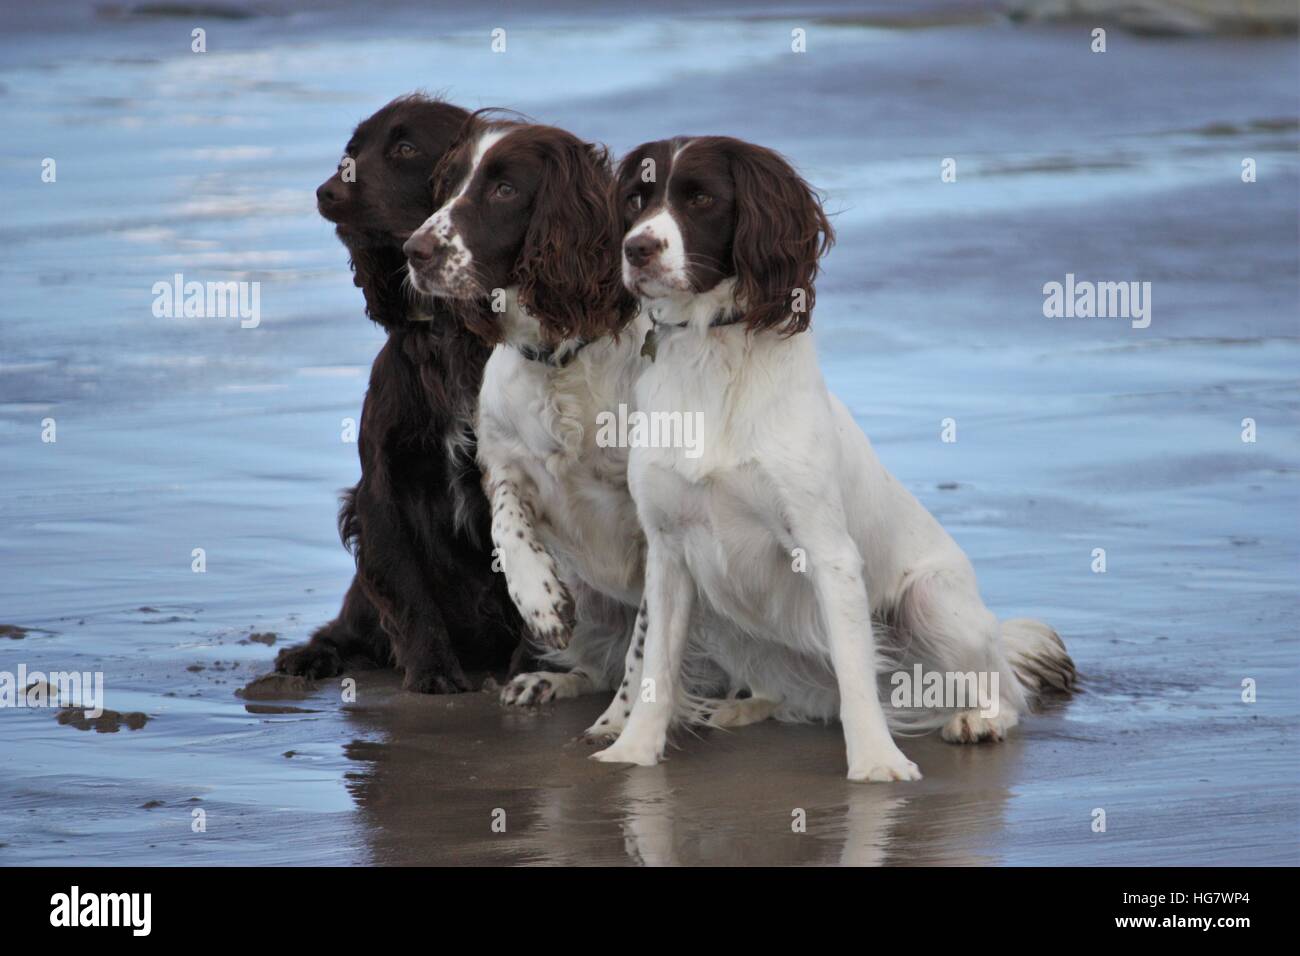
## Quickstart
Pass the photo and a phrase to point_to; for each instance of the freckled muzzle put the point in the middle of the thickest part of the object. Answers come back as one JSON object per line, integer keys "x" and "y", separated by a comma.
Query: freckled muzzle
{"x": 649, "y": 266}
{"x": 437, "y": 260}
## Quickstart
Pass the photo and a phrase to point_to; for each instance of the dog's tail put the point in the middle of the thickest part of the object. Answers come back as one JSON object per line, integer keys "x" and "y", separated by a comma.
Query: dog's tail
{"x": 1038, "y": 656}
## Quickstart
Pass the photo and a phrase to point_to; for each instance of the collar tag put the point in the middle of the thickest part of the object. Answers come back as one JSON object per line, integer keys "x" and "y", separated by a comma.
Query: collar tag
{"x": 650, "y": 346}
{"x": 548, "y": 355}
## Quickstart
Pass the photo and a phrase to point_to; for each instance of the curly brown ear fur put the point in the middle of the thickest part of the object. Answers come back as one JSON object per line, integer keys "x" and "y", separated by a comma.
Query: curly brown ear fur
{"x": 781, "y": 232}
{"x": 568, "y": 271}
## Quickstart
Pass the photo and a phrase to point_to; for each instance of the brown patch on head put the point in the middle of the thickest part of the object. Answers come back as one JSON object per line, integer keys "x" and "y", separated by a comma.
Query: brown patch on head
{"x": 742, "y": 211}
{"x": 533, "y": 213}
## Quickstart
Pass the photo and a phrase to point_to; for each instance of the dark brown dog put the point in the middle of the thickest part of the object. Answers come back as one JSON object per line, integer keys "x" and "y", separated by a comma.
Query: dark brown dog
{"x": 425, "y": 597}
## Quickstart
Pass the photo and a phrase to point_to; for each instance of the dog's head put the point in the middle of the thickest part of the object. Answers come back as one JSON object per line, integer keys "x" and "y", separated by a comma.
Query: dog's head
{"x": 525, "y": 208}
{"x": 701, "y": 210}
{"x": 379, "y": 194}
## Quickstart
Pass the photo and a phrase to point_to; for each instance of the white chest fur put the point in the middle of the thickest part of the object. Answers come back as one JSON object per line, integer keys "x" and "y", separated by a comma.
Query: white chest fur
{"x": 545, "y": 422}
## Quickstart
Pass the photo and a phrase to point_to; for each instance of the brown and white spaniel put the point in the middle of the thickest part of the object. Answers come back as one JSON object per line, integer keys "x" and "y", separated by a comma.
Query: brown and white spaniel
{"x": 787, "y": 524}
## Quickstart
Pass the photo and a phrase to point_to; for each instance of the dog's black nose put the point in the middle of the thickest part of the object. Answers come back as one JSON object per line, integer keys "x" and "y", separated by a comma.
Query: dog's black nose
{"x": 641, "y": 249}
{"x": 419, "y": 247}
{"x": 325, "y": 193}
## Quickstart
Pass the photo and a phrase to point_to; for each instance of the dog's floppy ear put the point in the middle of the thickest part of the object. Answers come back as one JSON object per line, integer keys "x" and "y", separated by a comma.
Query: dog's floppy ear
{"x": 568, "y": 270}
{"x": 781, "y": 231}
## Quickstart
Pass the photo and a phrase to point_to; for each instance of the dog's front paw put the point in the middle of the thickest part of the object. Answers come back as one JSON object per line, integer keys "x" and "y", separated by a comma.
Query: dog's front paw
{"x": 883, "y": 768}
{"x": 313, "y": 660}
{"x": 611, "y": 723}
{"x": 526, "y": 690}
{"x": 627, "y": 749}
{"x": 605, "y": 730}
{"x": 544, "y": 603}
{"x": 598, "y": 738}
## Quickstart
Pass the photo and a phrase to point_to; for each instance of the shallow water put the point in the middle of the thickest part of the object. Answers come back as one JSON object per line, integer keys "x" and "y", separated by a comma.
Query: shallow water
{"x": 1073, "y": 434}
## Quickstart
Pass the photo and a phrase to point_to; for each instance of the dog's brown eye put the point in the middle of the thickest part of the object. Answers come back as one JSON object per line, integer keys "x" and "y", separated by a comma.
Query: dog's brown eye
{"x": 634, "y": 202}
{"x": 405, "y": 150}
{"x": 503, "y": 191}
{"x": 700, "y": 199}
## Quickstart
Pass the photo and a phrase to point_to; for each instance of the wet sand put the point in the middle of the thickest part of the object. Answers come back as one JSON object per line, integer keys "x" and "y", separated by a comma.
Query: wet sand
{"x": 1072, "y": 435}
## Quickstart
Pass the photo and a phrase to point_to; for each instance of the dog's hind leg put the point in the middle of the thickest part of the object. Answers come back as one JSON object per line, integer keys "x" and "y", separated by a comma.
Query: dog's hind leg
{"x": 1038, "y": 656}
{"x": 944, "y": 625}
{"x": 736, "y": 712}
